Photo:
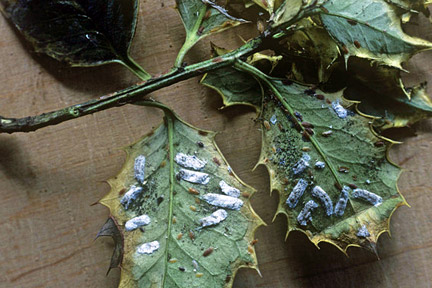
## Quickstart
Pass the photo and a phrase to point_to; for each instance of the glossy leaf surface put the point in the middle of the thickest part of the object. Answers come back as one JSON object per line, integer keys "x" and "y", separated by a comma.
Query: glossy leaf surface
{"x": 80, "y": 32}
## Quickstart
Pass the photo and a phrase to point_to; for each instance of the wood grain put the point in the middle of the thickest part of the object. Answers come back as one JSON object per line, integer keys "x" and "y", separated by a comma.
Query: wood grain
{"x": 50, "y": 178}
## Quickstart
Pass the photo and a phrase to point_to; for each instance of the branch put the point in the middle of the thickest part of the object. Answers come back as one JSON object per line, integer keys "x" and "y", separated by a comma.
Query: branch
{"x": 128, "y": 95}
{"x": 138, "y": 92}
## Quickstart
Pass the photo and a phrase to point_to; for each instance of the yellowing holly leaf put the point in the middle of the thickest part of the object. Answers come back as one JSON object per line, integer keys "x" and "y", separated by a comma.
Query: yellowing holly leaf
{"x": 185, "y": 218}
{"x": 288, "y": 10}
{"x": 332, "y": 173}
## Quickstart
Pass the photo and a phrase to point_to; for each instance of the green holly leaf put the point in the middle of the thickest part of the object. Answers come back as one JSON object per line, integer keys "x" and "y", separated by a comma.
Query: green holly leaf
{"x": 332, "y": 173}
{"x": 370, "y": 29}
{"x": 201, "y": 19}
{"x": 235, "y": 87}
{"x": 185, "y": 217}
{"x": 79, "y": 33}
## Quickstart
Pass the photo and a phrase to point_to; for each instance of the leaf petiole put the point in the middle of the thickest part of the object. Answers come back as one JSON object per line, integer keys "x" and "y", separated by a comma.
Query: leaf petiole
{"x": 135, "y": 68}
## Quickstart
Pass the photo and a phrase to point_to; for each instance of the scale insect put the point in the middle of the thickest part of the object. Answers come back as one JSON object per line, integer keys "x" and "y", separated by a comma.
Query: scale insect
{"x": 368, "y": 196}
{"x": 139, "y": 168}
{"x": 319, "y": 193}
{"x": 302, "y": 164}
{"x": 296, "y": 193}
{"x": 189, "y": 161}
{"x": 305, "y": 214}
{"x": 340, "y": 206}
{"x": 223, "y": 201}
{"x": 148, "y": 248}
{"x": 319, "y": 165}
{"x": 339, "y": 109}
{"x": 130, "y": 195}
{"x": 137, "y": 222}
{"x": 193, "y": 176}
{"x": 229, "y": 190}
{"x": 215, "y": 218}
{"x": 363, "y": 232}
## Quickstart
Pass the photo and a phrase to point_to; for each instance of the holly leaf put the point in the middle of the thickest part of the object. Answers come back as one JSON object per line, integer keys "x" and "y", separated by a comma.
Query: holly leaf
{"x": 235, "y": 87}
{"x": 394, "y": 110}
{"x": 312, "y": 42}
{"x": 185, "y": 217}
{"x": 381, "y": 94}
{"x": 202, "y": 18}
{"x": 269, "y": 5}
{"x": 288, "y": 10}
{"x": 370, "y": 29}
{"x": 332, "y": 173}
{"x": 79, "y": 33}
{"x": 410, "y": 7}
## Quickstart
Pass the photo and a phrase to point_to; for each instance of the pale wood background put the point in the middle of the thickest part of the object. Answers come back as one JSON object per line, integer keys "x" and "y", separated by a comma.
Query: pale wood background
{"x": 48, "y": 179}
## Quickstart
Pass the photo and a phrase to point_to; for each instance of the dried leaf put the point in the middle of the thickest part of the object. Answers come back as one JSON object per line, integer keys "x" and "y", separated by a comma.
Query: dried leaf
{"x": 110, "y": 229}
{"x": 179, "y": 241}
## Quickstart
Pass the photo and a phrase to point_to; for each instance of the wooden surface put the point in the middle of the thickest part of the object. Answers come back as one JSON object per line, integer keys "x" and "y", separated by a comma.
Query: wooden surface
{"x": 49, "y": 179}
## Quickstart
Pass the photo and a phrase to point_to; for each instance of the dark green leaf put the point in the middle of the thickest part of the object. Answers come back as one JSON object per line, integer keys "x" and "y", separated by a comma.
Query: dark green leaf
{"x": 235, "y": 87}
{"x": 80, "y": 32}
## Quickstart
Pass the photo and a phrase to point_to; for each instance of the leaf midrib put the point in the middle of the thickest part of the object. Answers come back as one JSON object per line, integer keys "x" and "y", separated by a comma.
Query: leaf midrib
{"x": 170, "y": 130}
